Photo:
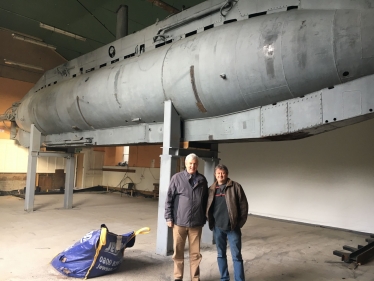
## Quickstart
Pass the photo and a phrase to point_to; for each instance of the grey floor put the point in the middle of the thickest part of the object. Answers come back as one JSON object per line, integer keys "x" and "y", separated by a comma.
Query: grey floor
{"x": 272, "y": 250}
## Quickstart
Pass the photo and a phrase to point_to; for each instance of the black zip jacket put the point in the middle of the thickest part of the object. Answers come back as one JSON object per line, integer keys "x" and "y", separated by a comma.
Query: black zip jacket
{"x": 185, "y": 204}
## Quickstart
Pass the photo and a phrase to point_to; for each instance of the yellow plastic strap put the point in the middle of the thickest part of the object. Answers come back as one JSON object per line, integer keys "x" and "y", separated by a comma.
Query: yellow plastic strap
{"x": 102, "y": 242}
{"x": 103, "y": 233}
{"x": 143, "y": 230}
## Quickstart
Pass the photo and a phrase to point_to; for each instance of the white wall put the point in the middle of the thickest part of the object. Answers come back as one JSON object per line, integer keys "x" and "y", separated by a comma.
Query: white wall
{"x": 92, "y": 167}
{"x": 13, "y": 159}
{"x": 327, "y": 179}
{"x": 145, "y": 182}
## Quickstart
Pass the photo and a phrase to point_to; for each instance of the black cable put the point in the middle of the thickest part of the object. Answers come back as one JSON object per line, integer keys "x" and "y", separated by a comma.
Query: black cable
{"x": 96, "y": 18}
{"x": 152, "y": 174}
{"x": 120, "y": 183}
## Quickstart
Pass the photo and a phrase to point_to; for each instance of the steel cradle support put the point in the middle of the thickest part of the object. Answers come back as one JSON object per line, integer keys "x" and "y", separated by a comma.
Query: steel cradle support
{"x": 359, "y": 255}
{"x": 35, "y": 137}
{"x": 171, "y": 139}
{"x": 171, "y": 152}
{"x": 34, "y": 153}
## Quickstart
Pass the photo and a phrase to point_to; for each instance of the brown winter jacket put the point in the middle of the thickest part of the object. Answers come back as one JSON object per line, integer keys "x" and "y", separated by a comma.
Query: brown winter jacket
{"x": 236, "y": 202}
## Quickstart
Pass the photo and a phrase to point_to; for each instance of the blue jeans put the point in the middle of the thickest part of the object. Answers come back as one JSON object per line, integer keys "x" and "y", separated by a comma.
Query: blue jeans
{"x": 235, "y": 240}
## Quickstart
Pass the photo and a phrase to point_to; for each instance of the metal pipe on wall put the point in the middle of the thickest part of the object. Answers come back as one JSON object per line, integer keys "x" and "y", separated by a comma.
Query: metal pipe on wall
{"x": 122, "y": 29}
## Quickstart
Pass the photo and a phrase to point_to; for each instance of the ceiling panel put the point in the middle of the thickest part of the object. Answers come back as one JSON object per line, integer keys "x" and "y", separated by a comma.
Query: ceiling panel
{"x": 92, "y": 19}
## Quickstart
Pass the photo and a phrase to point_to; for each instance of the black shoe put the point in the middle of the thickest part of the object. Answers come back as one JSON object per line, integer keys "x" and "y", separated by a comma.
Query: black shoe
{"x": 178, "y": 280}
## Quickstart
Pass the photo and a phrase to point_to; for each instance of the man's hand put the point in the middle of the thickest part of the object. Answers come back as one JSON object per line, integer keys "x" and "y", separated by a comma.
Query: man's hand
{"x": 170, "y": 223}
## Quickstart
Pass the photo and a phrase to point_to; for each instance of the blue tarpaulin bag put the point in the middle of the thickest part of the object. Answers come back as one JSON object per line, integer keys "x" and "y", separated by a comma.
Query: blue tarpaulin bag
{"x": 98, "y": 253}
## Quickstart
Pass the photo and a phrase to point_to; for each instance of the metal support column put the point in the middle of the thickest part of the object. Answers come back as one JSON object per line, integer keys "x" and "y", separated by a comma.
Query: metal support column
{"x": 209, "y": 165}
{"x": 69, "y": 182}
{"x": 35, "y": 137}
{"x": 122, "y": 29}
{"x": 171, "y": 139}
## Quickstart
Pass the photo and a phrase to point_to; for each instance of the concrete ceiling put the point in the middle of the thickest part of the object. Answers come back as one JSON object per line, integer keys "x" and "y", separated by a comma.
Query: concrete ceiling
{"x": 94, "y": 20}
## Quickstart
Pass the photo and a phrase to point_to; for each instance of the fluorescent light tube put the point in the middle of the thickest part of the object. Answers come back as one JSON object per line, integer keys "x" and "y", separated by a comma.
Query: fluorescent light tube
{"x": 32, "y": 41}
{"x": 57, "y": 30}
{"x": 23, "y": 65}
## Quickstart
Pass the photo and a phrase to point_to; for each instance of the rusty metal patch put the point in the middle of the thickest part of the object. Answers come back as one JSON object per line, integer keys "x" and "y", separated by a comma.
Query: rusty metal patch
{"x": 199, "y": 104}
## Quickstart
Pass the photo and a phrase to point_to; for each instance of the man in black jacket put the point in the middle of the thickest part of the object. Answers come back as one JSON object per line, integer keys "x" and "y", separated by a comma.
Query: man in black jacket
{"x": 227, "y": 212}
{"x": 185, "y": 210}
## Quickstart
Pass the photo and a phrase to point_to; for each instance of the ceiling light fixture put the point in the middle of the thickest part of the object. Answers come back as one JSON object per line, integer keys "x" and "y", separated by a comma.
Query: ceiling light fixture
{"x": 57, "y": 30}
{"x": 23, "y": 65}
{"x": 32, "y": 41}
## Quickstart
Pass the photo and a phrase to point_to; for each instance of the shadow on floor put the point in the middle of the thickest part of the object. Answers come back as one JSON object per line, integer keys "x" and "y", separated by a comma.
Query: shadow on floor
{"x": 139, "y": 261}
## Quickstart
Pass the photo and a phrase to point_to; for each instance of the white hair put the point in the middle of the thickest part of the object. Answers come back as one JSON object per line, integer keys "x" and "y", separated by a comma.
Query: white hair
{"x": 191, "y": 156}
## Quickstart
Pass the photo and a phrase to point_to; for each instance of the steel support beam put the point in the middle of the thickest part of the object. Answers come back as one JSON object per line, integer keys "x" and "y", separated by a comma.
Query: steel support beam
{"x": 204, "y": 154}
{"x": 209, "y": 165}
{"x": 69, "y": 182}
{"x": 171, "y": 139}
{"x": 35, "y": 138}
{"x": 134, "y": 134}
{"x": 50, "y": 154}
{"x": 34, "y": 153}
{"x": 13, "y": 130}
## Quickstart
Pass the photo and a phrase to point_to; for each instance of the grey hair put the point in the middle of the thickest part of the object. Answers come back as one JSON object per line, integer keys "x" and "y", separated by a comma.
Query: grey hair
{"x": 191, "y": 156}
{"x": 221, "y": 167}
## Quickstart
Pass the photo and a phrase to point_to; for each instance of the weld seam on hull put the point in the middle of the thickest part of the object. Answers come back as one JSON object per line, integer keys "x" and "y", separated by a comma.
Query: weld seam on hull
{"x": 84, "y": 119}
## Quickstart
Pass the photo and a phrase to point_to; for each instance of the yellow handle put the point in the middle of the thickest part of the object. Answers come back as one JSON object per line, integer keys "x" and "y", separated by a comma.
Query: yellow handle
{"x": 143, "y": 230}
{"x": 103, "y": 232}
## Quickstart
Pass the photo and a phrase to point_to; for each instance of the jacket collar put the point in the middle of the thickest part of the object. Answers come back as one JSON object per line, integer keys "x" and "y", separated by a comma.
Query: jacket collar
{"x": 228, "y": 184}
{"x": 189, "y": 175}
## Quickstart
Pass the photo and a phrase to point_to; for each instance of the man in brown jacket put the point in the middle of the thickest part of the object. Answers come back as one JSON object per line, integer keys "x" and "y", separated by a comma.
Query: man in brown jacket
{"x": 227, "y": 212}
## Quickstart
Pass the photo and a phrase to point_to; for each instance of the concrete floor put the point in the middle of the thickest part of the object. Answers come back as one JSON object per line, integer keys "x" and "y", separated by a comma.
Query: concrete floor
{"x": 272, "y": 250}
